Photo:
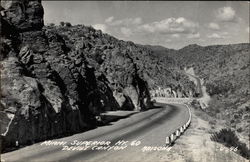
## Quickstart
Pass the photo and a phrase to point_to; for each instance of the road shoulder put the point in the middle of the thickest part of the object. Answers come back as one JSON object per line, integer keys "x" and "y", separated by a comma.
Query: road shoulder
{"x": 195, "y": 145}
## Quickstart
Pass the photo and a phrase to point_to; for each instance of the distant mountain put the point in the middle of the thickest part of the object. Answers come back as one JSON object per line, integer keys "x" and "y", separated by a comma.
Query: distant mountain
{"x": 159, "y": 50}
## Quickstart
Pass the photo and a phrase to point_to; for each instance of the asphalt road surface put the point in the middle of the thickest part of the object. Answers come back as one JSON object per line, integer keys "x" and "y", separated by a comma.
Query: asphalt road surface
{"x": 198, "y": 81}
{"x": 141, "y": 130}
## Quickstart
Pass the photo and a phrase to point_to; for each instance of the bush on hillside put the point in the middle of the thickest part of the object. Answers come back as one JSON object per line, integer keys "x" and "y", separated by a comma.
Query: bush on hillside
{"x": 62, "y": 23}
{"x": 68, "y": 24}
{"x": 228, "y": 138}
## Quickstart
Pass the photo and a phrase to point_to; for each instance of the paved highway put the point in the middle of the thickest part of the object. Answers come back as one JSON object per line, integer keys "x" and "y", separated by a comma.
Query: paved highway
{"x": 198, "y": 83}
{"x": 148, "y": 128}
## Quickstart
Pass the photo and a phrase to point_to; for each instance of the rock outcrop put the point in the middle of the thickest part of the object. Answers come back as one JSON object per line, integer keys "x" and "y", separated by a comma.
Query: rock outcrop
{"x": 23, "y": 14}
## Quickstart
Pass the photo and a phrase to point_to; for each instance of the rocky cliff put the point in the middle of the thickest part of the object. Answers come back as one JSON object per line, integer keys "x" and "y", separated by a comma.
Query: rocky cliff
{"x": 56, "y": 79}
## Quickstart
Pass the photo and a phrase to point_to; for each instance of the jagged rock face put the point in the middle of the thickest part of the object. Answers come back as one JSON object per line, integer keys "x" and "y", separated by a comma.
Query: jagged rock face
{"x": 112, "y": 61}
{"x": 23, "y": 14}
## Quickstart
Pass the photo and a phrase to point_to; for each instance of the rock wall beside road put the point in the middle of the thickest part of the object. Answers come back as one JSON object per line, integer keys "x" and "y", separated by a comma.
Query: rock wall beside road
{"x": 52, "y": 86}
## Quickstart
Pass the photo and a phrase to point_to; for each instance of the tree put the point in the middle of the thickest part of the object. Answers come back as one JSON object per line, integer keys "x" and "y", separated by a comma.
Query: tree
{"x": 62, "y": 23}
{"x": 51, "y": 24}
{"x": 68, "y": 24}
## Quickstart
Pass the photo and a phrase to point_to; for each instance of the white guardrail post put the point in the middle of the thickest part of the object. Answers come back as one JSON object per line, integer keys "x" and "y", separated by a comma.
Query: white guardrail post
{"x": 170, "y": 139}
{"x": 181, "y": 130}
{"x": 177, "y": 133}
{"x": 185, "y": 127}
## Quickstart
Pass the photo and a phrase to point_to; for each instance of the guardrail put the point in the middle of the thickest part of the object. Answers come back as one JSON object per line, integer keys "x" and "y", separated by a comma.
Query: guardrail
{"x": 174, "y": 100}
{"x": 178, "y": 132}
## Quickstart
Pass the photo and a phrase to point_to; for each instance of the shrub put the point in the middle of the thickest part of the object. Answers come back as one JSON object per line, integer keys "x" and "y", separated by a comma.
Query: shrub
{"x": 62, "y": 23}
{"x": 196, "y": 104}
{"x": 153, "y": 101}
{"x": 228, "y": 138}
{"x": 239, "y": 130}
{"x": 236, "y": 116}
{"x": 217, "y": 110}
{"x": 212, "y": 122}
{"x": 51, "y": 24}
{"x": 247, "y": 108}
{"x": 68, "y": 24}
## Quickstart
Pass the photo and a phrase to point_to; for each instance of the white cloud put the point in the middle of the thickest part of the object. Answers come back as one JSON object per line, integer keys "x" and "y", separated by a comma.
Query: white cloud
{"x": 226, "y": 14}
{"x": 147, "y": 28}
{"x": 101, "y": 27}
{"x": 175, "y": 35}
{"x": 224, "y": 33}
{"x": 214, "y": 26}
{"x": 247, "y": 29}
{"x": 196, "y": 35}
{"x": 109, "y": 19}
{"x": 170, "y": 26}
{"x": 124, "y": 22}
{"x": 137, "y": 21}
{"x": 215, "y": 35}
{"x": 167, "y": 40}
{"x": 202, "y": 40}
{"x": 126, "y": 31}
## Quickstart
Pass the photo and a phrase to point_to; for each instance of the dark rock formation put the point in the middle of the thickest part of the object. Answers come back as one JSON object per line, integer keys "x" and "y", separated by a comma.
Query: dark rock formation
{"x": 23, "y": 14}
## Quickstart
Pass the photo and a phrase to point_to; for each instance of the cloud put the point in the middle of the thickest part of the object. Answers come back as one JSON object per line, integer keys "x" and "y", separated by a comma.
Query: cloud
{"x": 226, "y": 14}
{"x": 123, "y": 22}
{"x": 222, "y": 35}
{"x": 167, "y": 40}
{"x": 214, "y": 35}
{"x": 175, "y": 35}
{"x": 214, "y": 26}
{"x": 170, "y": 26}
{"x": 101, "y": 27}
{"x": 193, "y": 36}
{"x": 126, "y": 31}
{"x": 109, "y": 19}
{"x": 137, "y": 21}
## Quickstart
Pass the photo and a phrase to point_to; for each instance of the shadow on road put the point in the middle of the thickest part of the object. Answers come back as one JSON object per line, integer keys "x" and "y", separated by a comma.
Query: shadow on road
{"x": 107, "y": 120}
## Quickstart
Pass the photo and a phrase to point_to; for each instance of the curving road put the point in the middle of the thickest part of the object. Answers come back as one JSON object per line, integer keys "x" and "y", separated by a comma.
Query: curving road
{"x": 198, "y": 83}
{"x": 149, "y": 127}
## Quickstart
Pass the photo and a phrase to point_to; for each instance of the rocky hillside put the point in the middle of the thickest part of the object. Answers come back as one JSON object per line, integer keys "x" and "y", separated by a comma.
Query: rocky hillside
{"x": 56, "y": 79}
{"x": 225, "y": 70}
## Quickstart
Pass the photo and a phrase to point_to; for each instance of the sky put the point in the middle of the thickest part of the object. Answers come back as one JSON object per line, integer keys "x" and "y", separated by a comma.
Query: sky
{"x": 172, "y": 24}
